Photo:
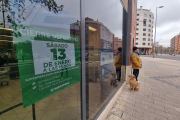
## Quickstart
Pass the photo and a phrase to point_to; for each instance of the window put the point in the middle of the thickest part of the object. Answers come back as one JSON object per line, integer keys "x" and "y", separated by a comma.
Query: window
{"x": 144, "y": 22}
{"x": 137, "y": 29}
{"x": 11, "y": 73}
{"x": 148, "y": 44}
{"x": 149, "y": 20}
{"x": 137, "y": 33}
{"x": 137, "y": 24}
{"x": 137, "y": 14}
{"x": 150, "y": 16}
{"x": 144, "y": 29}
{"x": 145, "y": 15}
{"x": 144, "y": 34}
{"x": 136, "y": 43}
{"x": 136, "y": 38}
{"x": 149, "y": 35}
{"x": 149, "y": 30}
{"x": 144, "y": 39}
{"x": 137, "y": 19}
{"x": 149, "y": 25}
{"x": 148, "y": 39}
{"x": 143, "y": 43}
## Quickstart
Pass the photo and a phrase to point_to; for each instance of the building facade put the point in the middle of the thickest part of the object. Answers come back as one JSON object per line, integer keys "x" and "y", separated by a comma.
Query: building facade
{"x": 175, "y": 44}
{"x": 144, "y": 30}
{"x": 48, "y": 76}
{"x": 98, "y": 35}
{"x": 117, "y": 44}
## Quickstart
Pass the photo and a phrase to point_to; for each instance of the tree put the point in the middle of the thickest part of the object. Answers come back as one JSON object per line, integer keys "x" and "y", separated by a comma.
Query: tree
{"x": 156, "y": 47}
{"x": 5, "y": 8}
{"x": 20, "y": 5}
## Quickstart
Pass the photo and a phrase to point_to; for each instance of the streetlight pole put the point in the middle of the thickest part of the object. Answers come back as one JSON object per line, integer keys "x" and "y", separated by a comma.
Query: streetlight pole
{"x": 155, "y": 30}
{"x": 158, "y": 46}
{"x": 175, "y": 47}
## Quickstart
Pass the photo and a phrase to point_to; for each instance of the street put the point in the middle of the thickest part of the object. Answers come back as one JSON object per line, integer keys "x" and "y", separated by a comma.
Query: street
{"x": 159, "y": 94}
{"x": 164, "y": 56}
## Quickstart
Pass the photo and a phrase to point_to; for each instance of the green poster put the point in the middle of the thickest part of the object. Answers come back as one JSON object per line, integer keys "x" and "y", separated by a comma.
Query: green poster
{"x": 48, "y": 60}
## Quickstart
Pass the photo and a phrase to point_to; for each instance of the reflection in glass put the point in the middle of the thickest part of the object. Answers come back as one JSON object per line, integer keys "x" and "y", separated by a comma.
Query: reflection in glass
{"x": 35, "y": 23}
{"x": 101, "y": 30}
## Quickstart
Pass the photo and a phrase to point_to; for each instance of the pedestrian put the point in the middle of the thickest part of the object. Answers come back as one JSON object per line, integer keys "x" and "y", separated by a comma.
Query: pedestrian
{"x": 118, "y": 64}
{"x": 136, "y": 62}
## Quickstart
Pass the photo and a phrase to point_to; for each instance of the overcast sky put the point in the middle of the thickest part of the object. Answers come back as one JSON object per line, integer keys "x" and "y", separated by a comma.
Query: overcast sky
{"x": 168, "y": 18}
{"x": 109, "y": 12}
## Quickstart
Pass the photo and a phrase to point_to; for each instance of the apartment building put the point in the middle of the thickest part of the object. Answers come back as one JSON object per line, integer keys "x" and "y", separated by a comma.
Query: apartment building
{"x": 144, "y": 30}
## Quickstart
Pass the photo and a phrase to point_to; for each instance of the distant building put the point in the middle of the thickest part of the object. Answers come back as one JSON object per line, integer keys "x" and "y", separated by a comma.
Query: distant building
{"x": 98, "y": 36}
{"x": 117, "y": 44}
{"x": 175, "y": 44}
{"x": 144, "y": 30}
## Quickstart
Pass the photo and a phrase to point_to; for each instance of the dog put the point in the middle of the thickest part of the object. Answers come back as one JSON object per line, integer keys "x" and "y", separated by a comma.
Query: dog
{"x": 133, "y": 83}
{"x": 113, "y": 79}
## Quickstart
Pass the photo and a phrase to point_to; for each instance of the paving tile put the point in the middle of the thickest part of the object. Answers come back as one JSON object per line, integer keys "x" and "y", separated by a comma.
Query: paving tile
{"x": 114, "y": 117}
{"x": 128, "y": 111}
{"x": 158, "y": 97}
{"x": 120, "y": 107}
{"x": 126, "y": 116}
{"x": 145, "y": 107}
{"x": 177, "y": 109}
{"x": 151, "y": 105}
{"x": 165, "y": 114}
{"x": 137, "y": 115}
{"x": 172, "y": 112}
{"x": 121, "y": 102}
{"x": 147, "y": 118}
{"x": 164, "y": 105}
{"x": 129, "y": 105}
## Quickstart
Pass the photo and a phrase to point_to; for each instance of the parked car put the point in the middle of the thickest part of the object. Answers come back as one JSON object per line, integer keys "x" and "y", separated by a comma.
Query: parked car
{"x": 141, "y": 53}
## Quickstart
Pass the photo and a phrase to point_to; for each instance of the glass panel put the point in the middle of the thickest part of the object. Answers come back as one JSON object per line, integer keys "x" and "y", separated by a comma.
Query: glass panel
{"x": 100, "y": 59}
{"x": 10, "y": 89}
{"x": 46, "y": 54}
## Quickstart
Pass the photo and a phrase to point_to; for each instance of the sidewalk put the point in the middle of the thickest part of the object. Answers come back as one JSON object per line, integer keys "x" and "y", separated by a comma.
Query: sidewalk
{"x": 158, "y": 97}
